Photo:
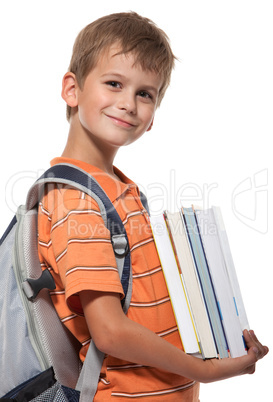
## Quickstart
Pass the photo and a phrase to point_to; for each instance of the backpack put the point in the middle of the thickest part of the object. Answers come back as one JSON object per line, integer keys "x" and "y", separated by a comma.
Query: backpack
{"x": 28, "y": 320}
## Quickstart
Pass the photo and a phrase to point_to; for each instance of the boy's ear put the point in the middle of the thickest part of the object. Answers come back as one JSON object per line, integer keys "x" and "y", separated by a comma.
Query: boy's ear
{"x": 69, "y": 86}
{"x": 151, "y": 125}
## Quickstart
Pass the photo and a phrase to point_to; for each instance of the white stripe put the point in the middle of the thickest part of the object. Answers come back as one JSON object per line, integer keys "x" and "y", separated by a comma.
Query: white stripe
{"x": 43, "y": 209}
{"x": 104, "y": 381}
{"x": 153, "y": 271}
{"x": 169, "y": 331}
{"x": 43, "y": 244}
{"x": 141, "y": 244}
{"x": 82, "y": 241}
{"x": 57, "y": 292}
{"x": 128, "y": 216}
{"x": 91, "y": 269}
{"x": 164, "y": 392}
{"x": 86, "y": 342}
{"x": 68, "y": 318}
{"x": 98, "y": 240}
{"x": 125, "y": 367}
{"x": 85, "y": 211}
{"x": 156, "y": 303}
{"x": 61, "y": 255}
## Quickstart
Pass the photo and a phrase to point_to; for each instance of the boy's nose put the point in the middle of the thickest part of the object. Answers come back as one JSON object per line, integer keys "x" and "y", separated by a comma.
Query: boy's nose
{"x": 127, "y": 102}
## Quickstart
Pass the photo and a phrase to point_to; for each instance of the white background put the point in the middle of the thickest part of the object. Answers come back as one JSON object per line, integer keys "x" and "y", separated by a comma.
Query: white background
{"x": 210, "y": 143}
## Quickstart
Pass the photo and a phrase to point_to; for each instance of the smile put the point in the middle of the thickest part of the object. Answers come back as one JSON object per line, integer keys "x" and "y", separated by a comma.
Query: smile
{"x": 120, "y": 122}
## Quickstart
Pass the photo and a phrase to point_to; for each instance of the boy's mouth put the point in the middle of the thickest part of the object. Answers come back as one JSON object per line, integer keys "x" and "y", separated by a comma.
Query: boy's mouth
{"x": 120, "y": 122}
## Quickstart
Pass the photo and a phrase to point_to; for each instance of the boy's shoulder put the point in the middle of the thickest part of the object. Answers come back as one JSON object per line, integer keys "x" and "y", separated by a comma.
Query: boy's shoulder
{"x": 112, "y": 186}
{"x": 59, "y": 199}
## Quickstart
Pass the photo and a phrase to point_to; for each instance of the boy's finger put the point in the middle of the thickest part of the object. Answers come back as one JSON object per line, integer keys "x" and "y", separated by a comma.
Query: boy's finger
{"x": 259, "y": 349}
{"x": 252, "y": 342}
{"x": 253, "y": 336}
{"x": 248, "y": 339}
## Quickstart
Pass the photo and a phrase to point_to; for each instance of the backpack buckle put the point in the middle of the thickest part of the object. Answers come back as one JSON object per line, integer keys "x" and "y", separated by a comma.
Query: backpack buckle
{"x": 32, "y": 287}
{"x": 120, "y": 245}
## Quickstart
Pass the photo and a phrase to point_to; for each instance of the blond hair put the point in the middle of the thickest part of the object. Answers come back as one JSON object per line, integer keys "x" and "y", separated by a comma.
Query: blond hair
{"x": 133, "y": 33}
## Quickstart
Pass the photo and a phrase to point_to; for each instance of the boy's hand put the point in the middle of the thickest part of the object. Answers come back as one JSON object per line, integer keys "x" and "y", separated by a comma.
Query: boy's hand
{"x": 226, "y": 368}
{"x": 255, "y": 350}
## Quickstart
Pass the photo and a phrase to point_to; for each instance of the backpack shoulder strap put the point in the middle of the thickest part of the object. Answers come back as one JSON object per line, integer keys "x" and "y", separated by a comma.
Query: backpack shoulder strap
{"x": 73, "y": 176}
{"x": 78, "y": 178}
{"x": 144, "y": 202}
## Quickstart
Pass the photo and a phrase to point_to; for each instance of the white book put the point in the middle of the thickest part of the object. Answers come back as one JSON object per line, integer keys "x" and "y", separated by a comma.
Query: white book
{"x": 221, "y": 283}
{"x": 205, "y": 281}
{"x": 175, "y": 285}
{"x": 230, "y": 268}
{"x": 178, "y": 233}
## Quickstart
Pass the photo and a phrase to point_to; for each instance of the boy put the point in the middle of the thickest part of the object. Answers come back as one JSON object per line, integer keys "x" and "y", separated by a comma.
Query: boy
{"x": 119, "y": 71}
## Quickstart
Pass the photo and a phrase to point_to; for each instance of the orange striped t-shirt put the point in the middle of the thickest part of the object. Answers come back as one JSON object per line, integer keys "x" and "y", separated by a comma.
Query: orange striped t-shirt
{"x": 75, "y": 245}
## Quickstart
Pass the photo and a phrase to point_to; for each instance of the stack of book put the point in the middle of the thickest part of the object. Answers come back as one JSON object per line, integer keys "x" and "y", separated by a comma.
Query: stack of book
{"x": 195, "y": 255}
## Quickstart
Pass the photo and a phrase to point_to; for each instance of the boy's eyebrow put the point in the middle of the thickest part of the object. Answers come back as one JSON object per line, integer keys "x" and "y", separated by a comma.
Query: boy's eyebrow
{"x": 113, "y": 74}
{"x": 120, "y": 76}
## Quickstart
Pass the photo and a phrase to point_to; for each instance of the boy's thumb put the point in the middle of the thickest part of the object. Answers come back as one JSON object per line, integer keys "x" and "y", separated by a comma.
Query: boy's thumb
{"x": 256, "y": 351}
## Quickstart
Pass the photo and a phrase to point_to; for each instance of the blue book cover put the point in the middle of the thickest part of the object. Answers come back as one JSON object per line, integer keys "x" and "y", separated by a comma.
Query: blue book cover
{"x": 205, "y": 281}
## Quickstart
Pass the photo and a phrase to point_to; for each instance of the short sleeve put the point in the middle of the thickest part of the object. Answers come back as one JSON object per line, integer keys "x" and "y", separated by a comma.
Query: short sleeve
{"x": 82, "y": 249}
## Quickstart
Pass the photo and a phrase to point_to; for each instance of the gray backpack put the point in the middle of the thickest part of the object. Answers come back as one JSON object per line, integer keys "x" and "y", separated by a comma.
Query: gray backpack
{"x": 28, "y": 320}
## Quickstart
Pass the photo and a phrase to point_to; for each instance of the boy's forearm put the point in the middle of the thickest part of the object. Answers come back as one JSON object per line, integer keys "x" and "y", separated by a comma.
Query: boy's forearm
{"x": 142, "y": 346}
{"x": 118, "y": 336}
{"x": 137, "y": 344}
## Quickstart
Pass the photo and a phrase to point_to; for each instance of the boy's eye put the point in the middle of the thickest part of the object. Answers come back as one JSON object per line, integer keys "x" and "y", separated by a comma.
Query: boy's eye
{"x": 145, "y": 94}
{"x": 114, "y": 84}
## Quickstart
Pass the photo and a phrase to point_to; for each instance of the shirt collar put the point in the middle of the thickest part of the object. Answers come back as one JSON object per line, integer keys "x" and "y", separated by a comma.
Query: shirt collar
{"x": 114, "y": 188}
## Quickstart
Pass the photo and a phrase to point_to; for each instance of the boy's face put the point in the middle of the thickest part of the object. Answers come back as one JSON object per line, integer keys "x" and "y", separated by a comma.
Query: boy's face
{"x": 118, "y": 100}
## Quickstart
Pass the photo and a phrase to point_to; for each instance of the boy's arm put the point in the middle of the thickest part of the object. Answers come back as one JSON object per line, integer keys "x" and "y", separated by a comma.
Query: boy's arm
{"x": 118, "y": 336}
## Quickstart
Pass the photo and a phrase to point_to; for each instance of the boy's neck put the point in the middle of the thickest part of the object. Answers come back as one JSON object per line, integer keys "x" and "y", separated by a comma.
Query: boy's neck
{"x": 80, "y": 147}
